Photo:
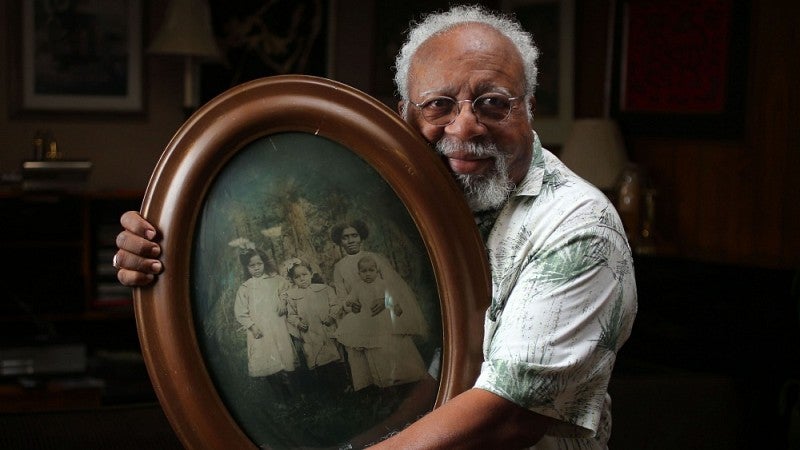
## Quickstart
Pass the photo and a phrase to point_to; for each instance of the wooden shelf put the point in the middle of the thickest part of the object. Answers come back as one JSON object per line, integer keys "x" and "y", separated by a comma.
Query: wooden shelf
{"x": 110, "y": 313}
{"x": 62, "y": 241}
{"x": 52, "y": 396}
{"x": 62, "y": 245}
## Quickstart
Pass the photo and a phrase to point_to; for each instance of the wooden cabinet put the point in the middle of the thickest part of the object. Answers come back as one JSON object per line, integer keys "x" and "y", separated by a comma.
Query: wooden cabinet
{"x": 715, "y": 344}
{"x": 65, "y": 321}
{"x": 43, "y": 240}
{"x": 58, "y": 250}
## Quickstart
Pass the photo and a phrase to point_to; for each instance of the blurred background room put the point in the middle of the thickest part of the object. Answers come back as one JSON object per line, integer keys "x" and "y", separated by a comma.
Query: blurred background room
{"x": 685, "y": 113}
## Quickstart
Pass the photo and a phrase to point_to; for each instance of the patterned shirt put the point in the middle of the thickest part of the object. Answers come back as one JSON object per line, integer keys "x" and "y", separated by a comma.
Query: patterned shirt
{"x": 563, "y": 302}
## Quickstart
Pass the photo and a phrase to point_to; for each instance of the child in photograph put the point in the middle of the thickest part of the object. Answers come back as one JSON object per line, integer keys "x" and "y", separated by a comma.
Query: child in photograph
{"x": 382, "y": 316}
{"x": 261, "y": 312}
{"x": 311, "y": 317}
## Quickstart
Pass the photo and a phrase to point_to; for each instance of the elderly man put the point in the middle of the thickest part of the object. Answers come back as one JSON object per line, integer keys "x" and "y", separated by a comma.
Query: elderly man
{"x": 563, "y": 290}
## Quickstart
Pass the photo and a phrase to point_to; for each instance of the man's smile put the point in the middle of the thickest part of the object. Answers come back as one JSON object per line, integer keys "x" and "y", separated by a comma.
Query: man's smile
{"x": 469, "y": 164}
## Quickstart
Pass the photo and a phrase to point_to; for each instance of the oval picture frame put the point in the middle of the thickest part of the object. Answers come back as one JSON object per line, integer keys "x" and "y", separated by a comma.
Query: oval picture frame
{"x": 315, "y": 115}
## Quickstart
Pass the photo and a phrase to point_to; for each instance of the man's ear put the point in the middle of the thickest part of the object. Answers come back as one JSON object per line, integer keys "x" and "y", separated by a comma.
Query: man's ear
{"x": 400, "y": 106}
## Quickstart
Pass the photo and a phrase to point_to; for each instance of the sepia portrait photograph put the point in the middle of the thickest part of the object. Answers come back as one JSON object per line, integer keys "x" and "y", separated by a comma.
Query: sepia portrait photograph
{"x": 314, "y": 297}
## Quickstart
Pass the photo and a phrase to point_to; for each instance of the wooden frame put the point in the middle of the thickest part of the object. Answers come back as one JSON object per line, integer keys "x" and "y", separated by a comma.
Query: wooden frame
{"x": 552, "y": 23}
{"x": 680, "y": 70}
{"x": 79, "y": 61}
{"x": 208, "y": 148}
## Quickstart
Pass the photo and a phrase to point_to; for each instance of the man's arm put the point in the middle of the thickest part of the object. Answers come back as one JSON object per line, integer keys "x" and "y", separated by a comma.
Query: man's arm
{"x": 475, "y": 419}
{"x": 135, "y": 257}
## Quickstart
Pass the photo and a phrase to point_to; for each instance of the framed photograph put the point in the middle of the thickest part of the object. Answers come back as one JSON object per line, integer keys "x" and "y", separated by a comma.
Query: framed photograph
{"x": 324, "y": 283}
{"x": 79, "y": 57}
{"x": 552, "y": 23}
{"x": 392, "y": 19}
{"x": 680, "y": 68}
{"x": 260, "y": 39}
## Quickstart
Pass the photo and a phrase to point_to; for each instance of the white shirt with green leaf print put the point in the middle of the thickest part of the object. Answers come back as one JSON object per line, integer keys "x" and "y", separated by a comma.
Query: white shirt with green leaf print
{"x": 563, "y": 303}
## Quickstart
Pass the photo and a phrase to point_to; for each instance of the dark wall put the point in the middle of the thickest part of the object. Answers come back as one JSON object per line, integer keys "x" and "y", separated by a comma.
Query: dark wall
{"x": 731, "y": 199}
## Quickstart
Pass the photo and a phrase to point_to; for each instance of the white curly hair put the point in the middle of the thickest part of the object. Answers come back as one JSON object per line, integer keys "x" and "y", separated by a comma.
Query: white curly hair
{"x": 440, "y": 22}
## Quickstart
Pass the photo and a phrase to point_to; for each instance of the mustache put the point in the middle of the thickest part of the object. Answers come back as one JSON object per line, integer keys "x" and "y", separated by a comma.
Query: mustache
{"x": 449, "y": 145}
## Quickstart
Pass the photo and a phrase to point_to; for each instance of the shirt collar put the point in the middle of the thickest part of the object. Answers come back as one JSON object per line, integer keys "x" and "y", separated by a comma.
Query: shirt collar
{"x": 531, "y": 185}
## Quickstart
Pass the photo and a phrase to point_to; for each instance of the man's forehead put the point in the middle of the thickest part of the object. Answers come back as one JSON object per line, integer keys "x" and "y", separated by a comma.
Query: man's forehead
{"x": 487, "y": 55}
{"x": 462, "y": 38}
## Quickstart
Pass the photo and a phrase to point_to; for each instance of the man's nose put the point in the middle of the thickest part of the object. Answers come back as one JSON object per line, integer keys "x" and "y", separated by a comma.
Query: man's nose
{"x": 466, "y": 125}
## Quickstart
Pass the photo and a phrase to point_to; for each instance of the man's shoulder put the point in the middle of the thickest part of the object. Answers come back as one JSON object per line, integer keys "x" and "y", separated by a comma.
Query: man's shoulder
{"x": 561, "y": 188}
{"x": 565, "y": 204}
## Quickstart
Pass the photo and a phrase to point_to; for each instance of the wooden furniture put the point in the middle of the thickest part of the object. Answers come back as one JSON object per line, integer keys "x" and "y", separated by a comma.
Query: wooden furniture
{"x": 127, "y": 427}
{"x": 67, "y": 331}
{"x": 712, "y": 347}
{"x": 62, "y": 246}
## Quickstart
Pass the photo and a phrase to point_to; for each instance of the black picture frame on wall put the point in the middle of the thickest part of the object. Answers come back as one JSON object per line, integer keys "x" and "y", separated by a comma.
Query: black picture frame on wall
{"x": 392, "y": 19}
{"x": 261, "y": 39}
{"x": 85, "y": 60}
{"x": 679, "y": 71}
{"x": 552, "y": 24}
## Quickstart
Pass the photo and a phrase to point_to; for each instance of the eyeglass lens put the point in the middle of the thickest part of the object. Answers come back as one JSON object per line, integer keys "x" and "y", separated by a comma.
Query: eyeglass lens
{"x": 487, "y": 108}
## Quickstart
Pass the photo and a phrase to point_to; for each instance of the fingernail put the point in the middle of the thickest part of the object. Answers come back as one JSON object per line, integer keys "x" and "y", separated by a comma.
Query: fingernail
{"x": 156, "y": 267}
{"x": 150, "y": 234}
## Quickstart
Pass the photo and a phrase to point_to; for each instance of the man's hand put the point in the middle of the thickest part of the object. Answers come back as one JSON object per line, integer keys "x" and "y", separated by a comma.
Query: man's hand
{"x": 136, "y": 257}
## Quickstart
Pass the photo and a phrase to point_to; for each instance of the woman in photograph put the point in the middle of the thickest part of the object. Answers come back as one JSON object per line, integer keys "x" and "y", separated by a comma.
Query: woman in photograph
{"x": 368, "y": 366}
{"x": 376, "y": 330}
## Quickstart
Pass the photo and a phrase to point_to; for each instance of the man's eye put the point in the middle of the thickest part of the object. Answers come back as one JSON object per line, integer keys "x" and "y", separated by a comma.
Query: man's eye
{"x": 493, "y": 101}
{"x": 439, "y": 104}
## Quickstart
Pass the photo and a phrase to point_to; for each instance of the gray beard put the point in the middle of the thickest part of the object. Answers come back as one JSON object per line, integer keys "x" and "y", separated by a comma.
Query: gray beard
{"x": 486, "y": 191}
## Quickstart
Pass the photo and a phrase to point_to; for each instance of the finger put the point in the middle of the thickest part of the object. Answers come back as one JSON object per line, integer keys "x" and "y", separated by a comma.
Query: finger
{"x": 125, "y": 260}
{"x": 133, "y": 278}
{"x": 135, "y": 223}
{"x": 133, "y": 243}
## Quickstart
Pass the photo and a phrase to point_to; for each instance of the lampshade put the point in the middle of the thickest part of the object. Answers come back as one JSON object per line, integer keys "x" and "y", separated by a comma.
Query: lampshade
{"x": 187, "y": 31}
{"x": 595, "y": 151}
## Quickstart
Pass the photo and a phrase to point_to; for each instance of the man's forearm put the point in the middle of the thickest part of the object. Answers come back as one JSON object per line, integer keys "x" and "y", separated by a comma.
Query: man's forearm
{"x": 474, "y": 419}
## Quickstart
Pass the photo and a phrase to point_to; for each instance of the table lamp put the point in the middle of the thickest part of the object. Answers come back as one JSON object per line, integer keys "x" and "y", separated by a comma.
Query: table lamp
{"x": 187, "y": 32}
{"x": 595, "y": 150}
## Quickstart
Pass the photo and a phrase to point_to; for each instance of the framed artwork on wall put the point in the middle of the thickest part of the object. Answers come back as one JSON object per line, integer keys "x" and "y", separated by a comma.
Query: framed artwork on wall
{"x": 552, "y": 23}
{"x": 260, "y": 39}
{"x": 78, "y": 58}
{"x": 679, "y": 69}
{"x": 391, "y": 24}
{"x": 316, "y": 292}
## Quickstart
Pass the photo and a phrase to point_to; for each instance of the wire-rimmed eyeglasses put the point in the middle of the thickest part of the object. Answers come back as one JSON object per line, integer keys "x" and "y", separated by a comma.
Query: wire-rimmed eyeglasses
{"x": 488, "y": 108}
